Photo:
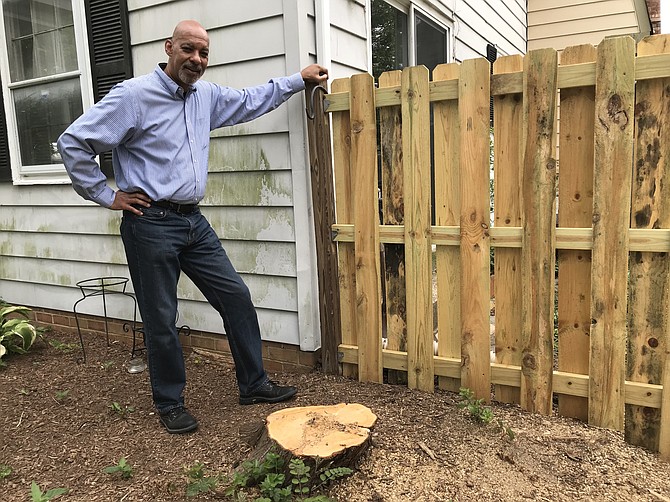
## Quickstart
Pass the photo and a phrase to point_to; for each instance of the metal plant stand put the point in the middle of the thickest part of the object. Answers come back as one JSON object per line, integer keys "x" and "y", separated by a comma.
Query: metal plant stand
{"x": 103, "y": 287}
{"x": 111, "y": 285}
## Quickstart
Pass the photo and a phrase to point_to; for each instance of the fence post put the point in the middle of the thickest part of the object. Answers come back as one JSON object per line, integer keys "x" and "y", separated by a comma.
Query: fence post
{"x": 323, "y": 205}
{"x": 615, "y": 97}
{"x": 474, "y": 98}
{"x": 649, "y": 282}
{"x": 575, "y": 189}
{"x": 366, "y": 227}
{"x": 538, "y": 194}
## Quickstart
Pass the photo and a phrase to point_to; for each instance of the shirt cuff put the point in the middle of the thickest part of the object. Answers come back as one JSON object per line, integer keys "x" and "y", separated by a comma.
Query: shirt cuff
{"x": 106, "y": 197}
{"x": 297, "y": 83}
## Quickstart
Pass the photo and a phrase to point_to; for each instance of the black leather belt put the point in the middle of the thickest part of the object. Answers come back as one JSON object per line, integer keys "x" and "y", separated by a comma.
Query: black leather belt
{"x": 177, "y": 208}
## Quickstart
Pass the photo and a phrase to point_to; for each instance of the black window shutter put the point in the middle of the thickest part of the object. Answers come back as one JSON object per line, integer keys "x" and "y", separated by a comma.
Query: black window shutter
{"x": 109, "y": 44}
{"x": 5, "y": 165}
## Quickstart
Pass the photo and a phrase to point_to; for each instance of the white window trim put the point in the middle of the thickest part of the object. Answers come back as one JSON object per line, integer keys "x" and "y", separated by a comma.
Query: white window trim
{"x": 411, "y": 7}
{"x": 48, "y": 173}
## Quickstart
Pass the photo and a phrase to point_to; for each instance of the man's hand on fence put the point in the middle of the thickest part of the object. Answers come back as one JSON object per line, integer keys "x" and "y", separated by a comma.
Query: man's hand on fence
{"x": 314, "y": 73}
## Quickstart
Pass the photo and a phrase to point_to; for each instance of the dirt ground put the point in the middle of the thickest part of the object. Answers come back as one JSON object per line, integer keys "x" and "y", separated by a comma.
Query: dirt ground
{"x": 57, "y": 428}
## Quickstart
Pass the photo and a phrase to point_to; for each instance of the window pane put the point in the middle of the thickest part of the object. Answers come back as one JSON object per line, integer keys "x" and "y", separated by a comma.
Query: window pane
{"x": 389, "y": 38}
{"x": 43, "y": 112}
{"x": 431, "y": 43}
{"x": 40, "y": 38}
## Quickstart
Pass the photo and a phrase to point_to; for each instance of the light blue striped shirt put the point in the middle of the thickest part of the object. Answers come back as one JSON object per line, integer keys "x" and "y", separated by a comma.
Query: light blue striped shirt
{"x": 159, "y": 137}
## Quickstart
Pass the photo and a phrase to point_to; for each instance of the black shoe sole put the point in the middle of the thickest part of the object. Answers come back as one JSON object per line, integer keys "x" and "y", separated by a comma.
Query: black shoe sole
{"x": 183, "y": 430}
{"x": 260, "y": 399}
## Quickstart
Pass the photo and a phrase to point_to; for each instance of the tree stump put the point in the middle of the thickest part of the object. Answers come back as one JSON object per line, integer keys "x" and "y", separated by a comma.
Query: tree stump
{"x": 335, "y": 436}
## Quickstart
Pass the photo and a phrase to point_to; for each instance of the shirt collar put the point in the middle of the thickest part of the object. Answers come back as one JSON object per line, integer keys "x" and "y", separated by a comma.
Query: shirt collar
{"x": 170, "y": 84}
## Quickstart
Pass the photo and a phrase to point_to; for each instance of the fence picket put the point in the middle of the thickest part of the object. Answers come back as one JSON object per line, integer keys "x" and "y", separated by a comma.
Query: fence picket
{"x": 473, "y": 110}
{"x": 649, "y": 282}
{"x": 391, "y": 151}
{"x": 447, "y": 212}
{"x": 418, "y": 253}
{"x": 344, "y": 197}
{"x": 539, "y": 222}
{"x": 615, "y": 96}
{"x": 575, "y": 189}
{"x": 366, "y": 223}
{"x": 507, "y": 112}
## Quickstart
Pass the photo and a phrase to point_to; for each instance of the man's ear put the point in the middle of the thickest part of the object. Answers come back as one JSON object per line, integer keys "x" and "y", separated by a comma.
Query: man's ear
{"x": 168, "y": 47}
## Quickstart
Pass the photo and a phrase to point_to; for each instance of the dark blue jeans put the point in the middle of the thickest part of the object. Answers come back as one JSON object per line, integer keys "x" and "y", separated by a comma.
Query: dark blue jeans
{"x": 159, "y": 245}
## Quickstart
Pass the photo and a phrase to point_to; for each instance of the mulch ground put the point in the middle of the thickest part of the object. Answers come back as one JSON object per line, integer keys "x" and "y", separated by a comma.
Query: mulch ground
{"x": 59, "y": 429}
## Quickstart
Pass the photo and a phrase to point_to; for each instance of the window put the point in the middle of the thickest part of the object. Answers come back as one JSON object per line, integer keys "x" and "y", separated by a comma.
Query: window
{"x": 49, "y": 77}
{"x": 44, "y": 74}
{"x": 403, "y": 35}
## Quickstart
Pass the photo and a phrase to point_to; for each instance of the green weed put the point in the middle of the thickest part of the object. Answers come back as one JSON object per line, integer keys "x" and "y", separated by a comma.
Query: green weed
{"x": 122, "y": 411}
{"x": 5, "y": 471}
{"x": 302, "y": 483}
{"x": 39, "y": 496}
{"x": 63, "y": 347}
{"x": 61, "y": 395}
{"x": 122, "y": 467}
{"x": 197, "y": 481}
{"x": 474, "y": 406}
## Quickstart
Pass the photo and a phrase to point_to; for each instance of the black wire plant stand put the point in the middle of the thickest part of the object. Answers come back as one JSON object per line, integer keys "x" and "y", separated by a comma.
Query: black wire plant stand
{"x": 117, "y": 285}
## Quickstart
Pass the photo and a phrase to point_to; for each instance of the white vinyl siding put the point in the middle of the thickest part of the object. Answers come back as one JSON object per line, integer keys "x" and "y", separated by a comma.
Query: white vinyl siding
{"x": 558, "y": 24}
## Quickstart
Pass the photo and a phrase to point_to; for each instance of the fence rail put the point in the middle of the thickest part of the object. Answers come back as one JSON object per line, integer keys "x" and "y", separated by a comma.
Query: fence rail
{"x": 583, "y": 236}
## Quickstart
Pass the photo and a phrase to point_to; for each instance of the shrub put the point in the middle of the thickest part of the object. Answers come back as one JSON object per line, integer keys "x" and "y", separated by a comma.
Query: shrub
{"x": 17, "y": 334}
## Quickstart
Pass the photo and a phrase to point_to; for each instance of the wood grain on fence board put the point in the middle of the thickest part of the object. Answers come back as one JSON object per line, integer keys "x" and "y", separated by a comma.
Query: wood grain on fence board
{"x": 366, "y": 221}
{"x": 344, "y": 199}
{"x": 575, "y": 189}
{"x": 649, "y": 277}
{"x": 447, "y": 212}
{"x": 323, "y": 201}
{"x": 615, "y": 96}
{"x": 418, "y": 252}
{"x": 507, "y": 116}
{"x": 539, "y": 222}
{"x": 473, "y": 110}
{"x": 391, "y": 151}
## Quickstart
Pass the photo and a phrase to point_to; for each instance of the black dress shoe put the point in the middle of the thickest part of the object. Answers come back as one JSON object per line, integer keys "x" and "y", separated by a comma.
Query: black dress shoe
{"x": 269, "y": 392}
{"x": 178, "y": 421}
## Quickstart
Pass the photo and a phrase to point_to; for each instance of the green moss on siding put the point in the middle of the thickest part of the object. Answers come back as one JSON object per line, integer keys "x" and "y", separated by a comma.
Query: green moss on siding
{"x": 243, "y": 155}
{"x": 5, "y": 246}
{"x": 265, "y": 188}
{"x": 30, "y": 249}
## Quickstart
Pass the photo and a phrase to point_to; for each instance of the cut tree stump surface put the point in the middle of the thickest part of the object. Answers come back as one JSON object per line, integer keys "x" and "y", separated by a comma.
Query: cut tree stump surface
{"x": 321, "y": 431}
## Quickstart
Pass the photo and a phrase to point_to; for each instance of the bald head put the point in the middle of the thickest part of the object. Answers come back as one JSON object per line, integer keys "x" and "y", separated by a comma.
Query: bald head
{"x": 189, "y": 27}
{"x": 188, "y": 53}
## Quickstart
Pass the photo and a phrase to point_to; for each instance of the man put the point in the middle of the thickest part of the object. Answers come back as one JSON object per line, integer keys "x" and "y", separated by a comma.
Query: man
{"x": 157, "y": 127}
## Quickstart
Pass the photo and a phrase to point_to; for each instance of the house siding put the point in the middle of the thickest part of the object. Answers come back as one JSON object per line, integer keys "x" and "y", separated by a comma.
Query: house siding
{"x": 480, "y": 22}
{"x": 256, "y": 198}
{"x": 562, "y": 23}
{"x": 258, "y": 193}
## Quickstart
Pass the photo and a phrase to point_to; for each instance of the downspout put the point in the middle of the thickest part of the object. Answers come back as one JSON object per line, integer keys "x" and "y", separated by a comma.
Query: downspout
{"x": 322, "y": 28}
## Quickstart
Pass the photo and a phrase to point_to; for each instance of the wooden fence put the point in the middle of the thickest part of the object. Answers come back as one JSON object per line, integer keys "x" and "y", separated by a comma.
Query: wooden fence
{"x": 605, "y": 218}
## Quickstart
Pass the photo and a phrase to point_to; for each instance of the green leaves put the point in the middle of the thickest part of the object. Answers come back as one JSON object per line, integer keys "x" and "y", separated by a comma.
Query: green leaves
{"x": 474, "y": 406}
{"x": 39, "y": 496}
{"x": 122, "y": 467}
{"x": 17, "y": 334}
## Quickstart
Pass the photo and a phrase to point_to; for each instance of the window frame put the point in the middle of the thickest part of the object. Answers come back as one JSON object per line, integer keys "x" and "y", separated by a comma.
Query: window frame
{"x": 45, "y": 173}
{"x": 411, "y": 8}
